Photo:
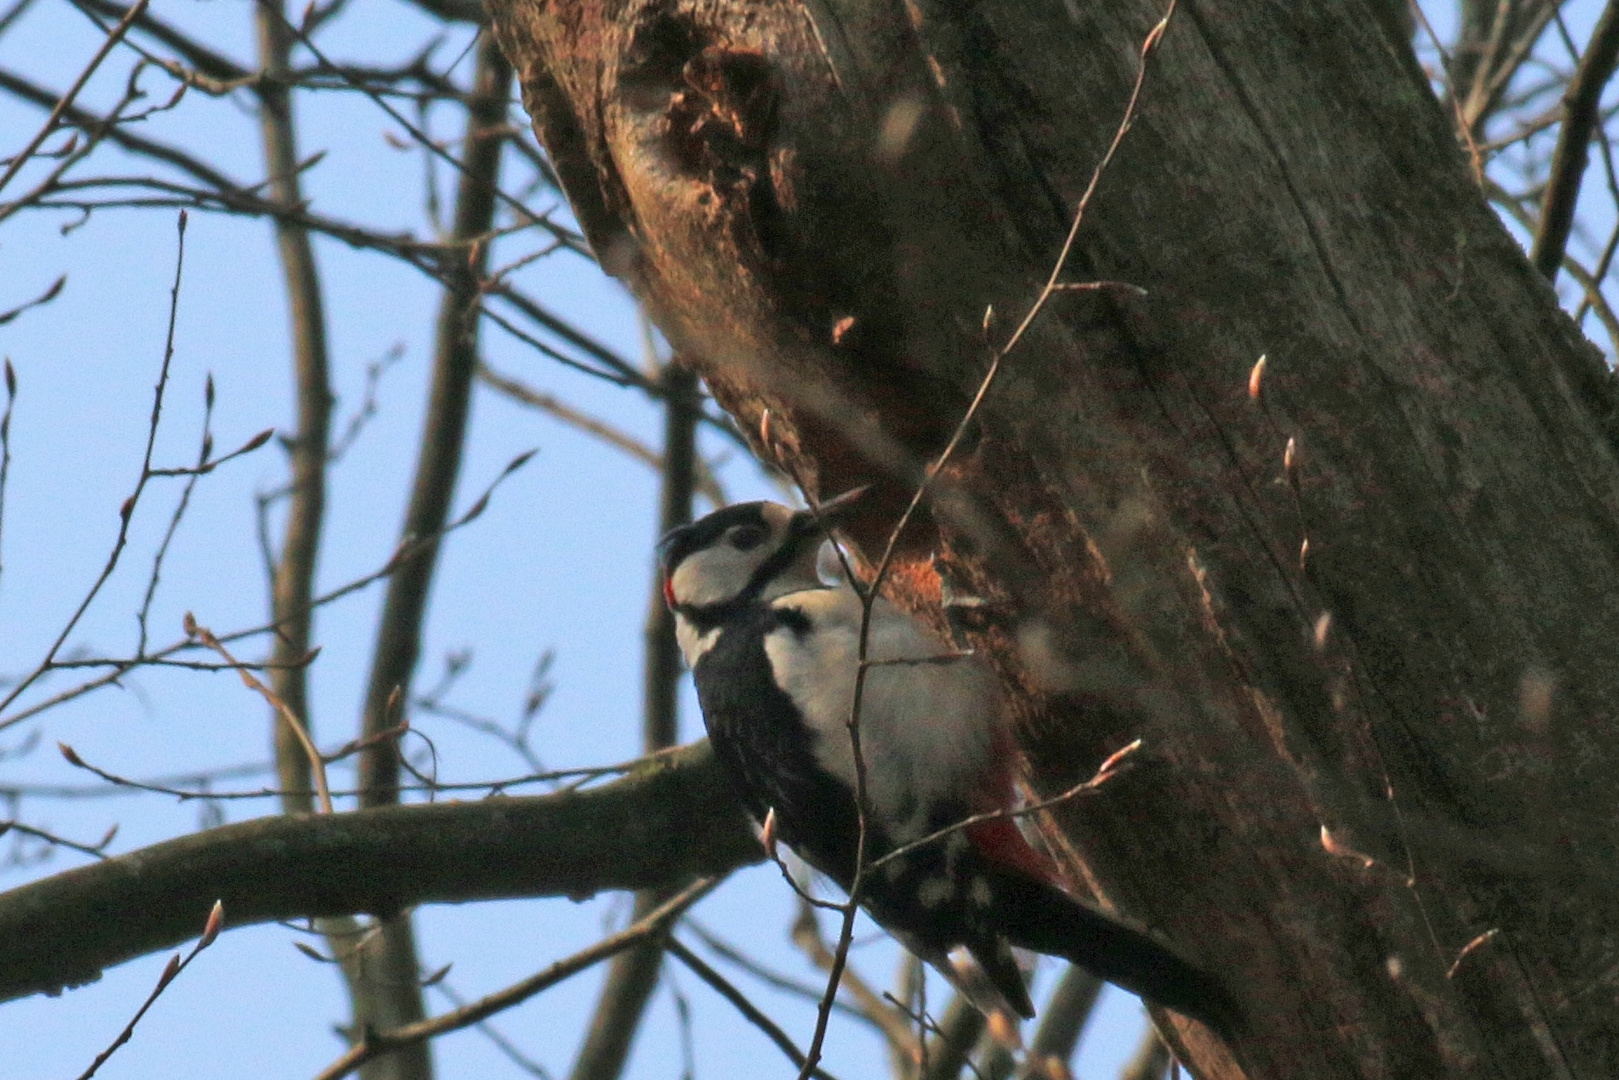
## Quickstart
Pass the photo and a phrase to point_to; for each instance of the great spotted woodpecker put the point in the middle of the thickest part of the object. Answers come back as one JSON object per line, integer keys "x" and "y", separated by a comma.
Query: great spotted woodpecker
{"x": 774, "y": 652}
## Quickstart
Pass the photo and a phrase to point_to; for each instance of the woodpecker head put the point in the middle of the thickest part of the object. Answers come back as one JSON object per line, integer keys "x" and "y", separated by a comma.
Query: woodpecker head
{"x": 747, "y": 552}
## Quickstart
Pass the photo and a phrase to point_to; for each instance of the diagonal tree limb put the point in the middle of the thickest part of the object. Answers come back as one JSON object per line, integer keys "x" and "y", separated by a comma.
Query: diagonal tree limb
{"x": 1582, "y": 103}
{"x": 654, "y": 923}
{"x": 673, "y": 819}
{"x": 293, "y": 587}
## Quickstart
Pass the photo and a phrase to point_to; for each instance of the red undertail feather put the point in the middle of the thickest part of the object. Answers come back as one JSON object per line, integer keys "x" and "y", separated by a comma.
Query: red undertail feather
{"x": 999, "y": 841}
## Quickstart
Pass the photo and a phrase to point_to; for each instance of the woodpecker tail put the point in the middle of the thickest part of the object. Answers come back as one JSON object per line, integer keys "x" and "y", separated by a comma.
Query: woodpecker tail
{"x": 1035, "y": 915}
{"x": 993, "y": 980}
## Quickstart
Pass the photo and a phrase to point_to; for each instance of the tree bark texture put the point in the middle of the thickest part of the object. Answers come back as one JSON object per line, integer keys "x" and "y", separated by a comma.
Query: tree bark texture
{"x": 1359, "y": 756}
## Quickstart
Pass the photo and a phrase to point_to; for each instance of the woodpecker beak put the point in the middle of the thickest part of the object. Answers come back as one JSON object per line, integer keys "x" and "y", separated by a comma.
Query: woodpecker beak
{"x": 839, "y": 506}
{"x": 831, "y": 513}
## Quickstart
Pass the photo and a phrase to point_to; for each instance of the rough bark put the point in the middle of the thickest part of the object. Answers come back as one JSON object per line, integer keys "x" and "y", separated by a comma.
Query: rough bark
{"x": 822, "y": 198}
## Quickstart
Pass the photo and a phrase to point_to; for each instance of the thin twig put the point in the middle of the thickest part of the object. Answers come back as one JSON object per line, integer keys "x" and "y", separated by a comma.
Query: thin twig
{"x": 375, "y": 1043}
{"x": 127, "y": 511}
{"x": 317, "y": 764}
{"x": 1105, "y": 772}
{"x": 5, "y": 450}
{"x": 66, "y": 101}
{"x": 554, "y": 406}
{"x": 871, "y": 590}
{"x": 404, "y": 551}
{"x": 806, "y": 934}
{"x": 162, "y": 787}
{"x": 1605, "y": 261}
{"x": 1463, "y": 128}
{"x": 210, "y": 931}
{"x": 97, "y": 849}
{"x": 785, "y": 983}
{"x": 51, "y": 293}
{"x": 156, "y": 575}
{"x": 748, "y": 1009}
{"x": 567, "y": 237}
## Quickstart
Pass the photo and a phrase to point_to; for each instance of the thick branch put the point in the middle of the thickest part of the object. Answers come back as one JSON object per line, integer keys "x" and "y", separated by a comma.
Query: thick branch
{"x": 672, "y": 819}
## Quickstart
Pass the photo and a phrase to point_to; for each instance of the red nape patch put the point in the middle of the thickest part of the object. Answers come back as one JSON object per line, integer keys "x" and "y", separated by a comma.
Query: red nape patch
{"x": 1000, "y": 842}
{"x": 669, "y": 591}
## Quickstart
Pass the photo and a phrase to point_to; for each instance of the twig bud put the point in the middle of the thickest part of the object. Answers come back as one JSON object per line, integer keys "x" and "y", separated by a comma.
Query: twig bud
{"x": 215, "y": 923}
{"x": 1255, "y": 376}
{"x": 313, "y": 953}
{"x": 170, "y": 970}
{"x": 256, "y": 441}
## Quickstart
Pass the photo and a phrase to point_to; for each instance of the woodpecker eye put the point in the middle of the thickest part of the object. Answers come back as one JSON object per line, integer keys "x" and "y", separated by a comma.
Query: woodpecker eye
{"x": 748, "y": 537}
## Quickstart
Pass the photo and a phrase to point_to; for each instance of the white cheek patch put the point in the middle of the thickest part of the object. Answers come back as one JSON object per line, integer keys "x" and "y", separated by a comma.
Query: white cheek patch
{"x": 713, "y": 575}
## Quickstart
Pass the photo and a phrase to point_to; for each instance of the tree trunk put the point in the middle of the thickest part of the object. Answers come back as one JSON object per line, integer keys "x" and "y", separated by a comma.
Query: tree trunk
{"x": 1358, "y": 759}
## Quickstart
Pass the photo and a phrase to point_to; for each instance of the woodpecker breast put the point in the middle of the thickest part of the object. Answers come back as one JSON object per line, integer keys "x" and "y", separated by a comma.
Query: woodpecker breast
{"x": 927, "y": 715}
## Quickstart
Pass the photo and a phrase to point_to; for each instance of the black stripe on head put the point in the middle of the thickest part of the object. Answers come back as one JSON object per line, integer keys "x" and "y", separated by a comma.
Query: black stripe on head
{"x": 678, "y": 543}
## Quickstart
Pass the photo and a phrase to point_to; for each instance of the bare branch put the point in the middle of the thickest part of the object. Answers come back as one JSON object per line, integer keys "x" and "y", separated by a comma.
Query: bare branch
{"x": 43, "y": 298}
{"x": 376, "y": 1043}
{"x": 634, "y": 974}
{"x": 66, "y": 101}
{"x": 955, "y": 1035}
{"x": 870, "y": 591}
{"x": 438, "y": 463}
{"x": 672, "y": 819}
{"x": 1581, "y": 112}
{"x": 404, "y": 550}
{"x": 291, "y": 719}
{"x": 127, "y": 511}
{"x": 806, "y": 934}
{"x": 210, "y": 931}
{"x": 748, "y": 1009}
{"x": 393, "y": 998}
{"x": 554, "y": 406}
{"x": 5, "y": 448}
